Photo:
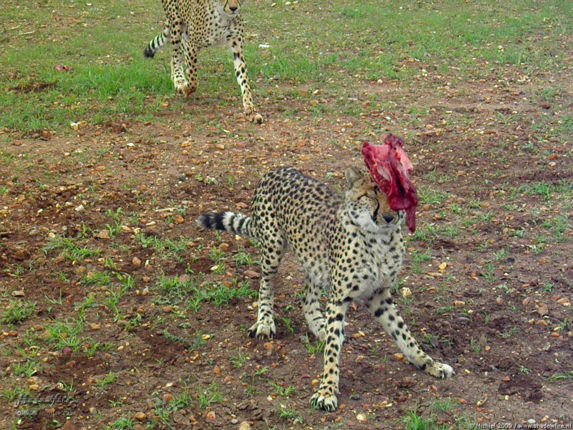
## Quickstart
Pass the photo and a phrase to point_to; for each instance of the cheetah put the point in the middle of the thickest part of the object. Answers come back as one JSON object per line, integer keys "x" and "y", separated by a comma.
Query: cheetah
{"x": 195, "y": 24}
{"x": 349, "y": 245}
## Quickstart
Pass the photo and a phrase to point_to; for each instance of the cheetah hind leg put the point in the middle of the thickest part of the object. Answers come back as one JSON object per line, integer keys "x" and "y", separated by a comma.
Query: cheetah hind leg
{"x": 313, "y": 315}
{"x": 273, "y": 251}
{"x": 265, "y": 327}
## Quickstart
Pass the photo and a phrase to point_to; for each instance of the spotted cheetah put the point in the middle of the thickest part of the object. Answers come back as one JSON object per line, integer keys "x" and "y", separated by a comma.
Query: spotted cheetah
{"x": 350, "y": 245}
{"x": 195, "y": 24}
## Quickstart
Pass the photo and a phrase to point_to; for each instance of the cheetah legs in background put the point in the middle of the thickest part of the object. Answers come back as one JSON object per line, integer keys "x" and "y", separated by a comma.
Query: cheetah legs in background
{"x": 178, "y": 57}
{"x": 190, "y": 55}
{"x": 241, "y": 74}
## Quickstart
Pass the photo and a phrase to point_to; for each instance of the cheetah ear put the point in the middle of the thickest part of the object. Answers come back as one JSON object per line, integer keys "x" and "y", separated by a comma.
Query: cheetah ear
{"x": 352, "y": 175}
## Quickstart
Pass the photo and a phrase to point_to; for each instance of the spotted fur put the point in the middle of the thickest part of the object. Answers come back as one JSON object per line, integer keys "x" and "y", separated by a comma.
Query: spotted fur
{"x": 351, "y": 245}
{"x": 195, "y": 24}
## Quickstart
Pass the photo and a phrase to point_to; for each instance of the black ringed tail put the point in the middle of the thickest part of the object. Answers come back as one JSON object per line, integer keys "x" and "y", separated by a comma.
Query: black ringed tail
{"x": 232, "y": 222}
{"x": 156, "y": 43}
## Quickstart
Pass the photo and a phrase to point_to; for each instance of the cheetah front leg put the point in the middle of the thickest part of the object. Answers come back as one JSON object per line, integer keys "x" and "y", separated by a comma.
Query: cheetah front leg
{"x": 381, "y": 306}
{"x": 190, "y": 55}
{"x": 236, "y": 44}
{"x": 177, "y": 56}
{"x": 325, "y": 398}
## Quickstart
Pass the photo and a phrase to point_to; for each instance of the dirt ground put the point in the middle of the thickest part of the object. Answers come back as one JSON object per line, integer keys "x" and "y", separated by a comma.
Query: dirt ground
{"x": 489, "y": 272}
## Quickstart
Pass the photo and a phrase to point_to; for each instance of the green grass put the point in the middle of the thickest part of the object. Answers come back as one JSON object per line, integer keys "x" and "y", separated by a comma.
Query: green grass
{"x": 418, "y": 257}
{"x": 27, "y": 369}
{"x": 175, "y": 338}
{"x": 66, "y": 333}
{"x": 193, "y": 292}
{"x": 96, "y": 278}
{"x": 432, "y": 196}
{"x": 281, "y": 391}
{"x": 121, "y": 424}
{"x": 239, "y": 359}
{"x": 313, "y": 348}
{"x": 412, "y": 421}
{"x": 559, "y": 376}
{"x": 426, "y": 233}
{"x": 291, "y": 414}
{"x": 109, "y": 78}
{"x": 209, "y": 395}
{"x": 18, "y": 311}
{"x": 241, "y": 258}
{"x": 563, "y": 188}
{"x": 106, "y": 380}
{"x": 69, "y": 248}
{"x": 165, "y": 247}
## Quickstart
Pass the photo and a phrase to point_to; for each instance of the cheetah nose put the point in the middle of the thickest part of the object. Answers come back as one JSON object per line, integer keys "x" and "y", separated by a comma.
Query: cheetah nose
{"x": 233, "y": 8}
{"x": 388, "y": 217}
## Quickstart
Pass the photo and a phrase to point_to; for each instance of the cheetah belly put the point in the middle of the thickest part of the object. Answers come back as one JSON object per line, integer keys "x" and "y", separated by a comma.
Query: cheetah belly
{"x": 315, "y": 266}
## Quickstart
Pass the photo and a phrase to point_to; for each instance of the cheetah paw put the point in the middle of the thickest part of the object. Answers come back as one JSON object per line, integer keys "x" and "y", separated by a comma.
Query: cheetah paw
{"x": 441, "y": 370}
{"x": 180, "y": 83}
{"x": 323, "y": 400}
{"x": 254, "y": 117}
{"x": 263, "y": 330}
{"x": 186, "y": 89}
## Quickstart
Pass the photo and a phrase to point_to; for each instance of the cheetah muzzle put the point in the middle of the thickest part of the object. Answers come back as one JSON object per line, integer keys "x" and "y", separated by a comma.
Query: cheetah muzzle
{"x": 351, "y": 245}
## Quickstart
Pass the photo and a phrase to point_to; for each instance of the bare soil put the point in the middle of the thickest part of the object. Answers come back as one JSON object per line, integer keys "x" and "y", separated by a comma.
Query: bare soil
{"x": 498, "y": 311}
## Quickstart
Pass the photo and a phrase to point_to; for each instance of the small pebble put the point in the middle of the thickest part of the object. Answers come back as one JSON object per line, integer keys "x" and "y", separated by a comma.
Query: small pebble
{"x": 252, "y": 274}
{"x": 103, "y": 234}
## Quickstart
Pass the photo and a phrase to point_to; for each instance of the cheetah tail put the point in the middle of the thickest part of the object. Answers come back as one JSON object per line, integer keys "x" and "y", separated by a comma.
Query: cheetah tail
{"x": 232, "y": 222}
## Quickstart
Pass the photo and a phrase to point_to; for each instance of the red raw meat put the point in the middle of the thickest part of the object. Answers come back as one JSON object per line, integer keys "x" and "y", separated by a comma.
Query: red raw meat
{"x": 390, "y": 169}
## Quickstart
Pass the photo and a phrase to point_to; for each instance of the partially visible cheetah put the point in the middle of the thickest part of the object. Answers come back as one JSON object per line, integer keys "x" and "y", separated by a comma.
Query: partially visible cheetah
{"x": 351, "y": 245}
{"x": 195, "y": 24}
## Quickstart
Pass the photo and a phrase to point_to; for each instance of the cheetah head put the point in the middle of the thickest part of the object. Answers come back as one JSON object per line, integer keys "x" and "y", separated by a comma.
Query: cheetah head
{"x": 229, "y": 7}
{"x": 366, "y": 205}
